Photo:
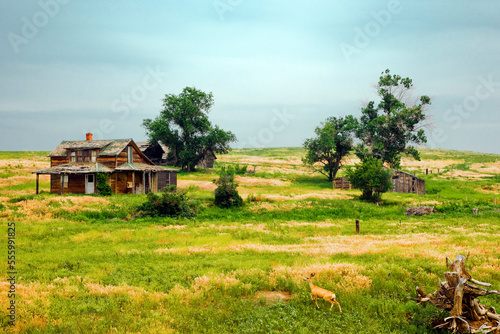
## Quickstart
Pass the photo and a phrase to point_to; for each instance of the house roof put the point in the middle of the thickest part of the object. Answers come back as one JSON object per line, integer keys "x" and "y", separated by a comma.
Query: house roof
{"x": 110, "y": 147}
{"x": 144, "y": 167}
{"x": 144, "y": 145}
{"x": 75, "y": 168}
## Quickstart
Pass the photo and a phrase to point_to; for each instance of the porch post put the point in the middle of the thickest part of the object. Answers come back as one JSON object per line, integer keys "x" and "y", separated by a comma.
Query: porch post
{"x": 133, "y": 182}
{"x": 150, "y": 184}
{"x": 62, "y": 184}
{"x": 37, "y": 179}
{"x": 143, "y": 182}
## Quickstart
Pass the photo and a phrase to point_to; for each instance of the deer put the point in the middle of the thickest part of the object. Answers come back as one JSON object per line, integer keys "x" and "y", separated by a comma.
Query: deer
{"x": 321, "y": 293}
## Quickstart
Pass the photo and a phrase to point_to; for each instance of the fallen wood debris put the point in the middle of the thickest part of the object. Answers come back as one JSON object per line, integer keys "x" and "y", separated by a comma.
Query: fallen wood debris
{"x": 420, "y": 210}
{"x": 458, "y": 294}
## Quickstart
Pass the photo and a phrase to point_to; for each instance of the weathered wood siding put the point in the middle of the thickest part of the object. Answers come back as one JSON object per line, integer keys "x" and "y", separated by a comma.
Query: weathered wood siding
{"x": 108, "y": 161}
{"x": 56, "y": 161}
{"x": 76, "y": 184}
{"x": 407, "y": 183}
{"x": 166, "y": 178}
{"x": 119, "y": 183}
{"x": 341, "y": 183}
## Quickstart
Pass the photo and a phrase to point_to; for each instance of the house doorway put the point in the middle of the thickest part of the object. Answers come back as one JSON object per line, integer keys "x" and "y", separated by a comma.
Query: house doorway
{"x": 89, "y": 183}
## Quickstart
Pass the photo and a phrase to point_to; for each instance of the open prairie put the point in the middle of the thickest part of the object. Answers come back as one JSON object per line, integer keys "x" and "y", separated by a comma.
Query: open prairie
{"x": 90, "y": 264}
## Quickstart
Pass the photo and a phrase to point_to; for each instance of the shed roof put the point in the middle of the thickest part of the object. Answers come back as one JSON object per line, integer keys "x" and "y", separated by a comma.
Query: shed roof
{"x": 75, "y": 168}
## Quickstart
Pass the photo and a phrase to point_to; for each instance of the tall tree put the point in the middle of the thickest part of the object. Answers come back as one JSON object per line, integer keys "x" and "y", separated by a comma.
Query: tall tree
{"x": 387, "y": 130}
{"x": 183, "y": 126}
{"x": 333, "y": 141}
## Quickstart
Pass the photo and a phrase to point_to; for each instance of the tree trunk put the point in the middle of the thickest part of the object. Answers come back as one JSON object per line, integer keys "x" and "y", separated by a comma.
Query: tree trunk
{"x": 459, "y": 297}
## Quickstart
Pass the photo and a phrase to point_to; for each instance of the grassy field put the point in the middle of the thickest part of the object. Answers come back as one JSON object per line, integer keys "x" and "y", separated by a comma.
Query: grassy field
{"x": 85, "y": 264}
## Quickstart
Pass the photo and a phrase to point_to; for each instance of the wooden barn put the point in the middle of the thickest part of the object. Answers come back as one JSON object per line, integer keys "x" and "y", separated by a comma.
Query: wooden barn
{"x": 74, "y": 166}
{"x": 403, "y": 183}
{"x": 157, "y": 153}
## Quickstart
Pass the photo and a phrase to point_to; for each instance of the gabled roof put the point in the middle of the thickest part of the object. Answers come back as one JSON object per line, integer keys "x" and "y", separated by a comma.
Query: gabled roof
{"x": 110, "y": 147}
{"x": 144, "y": 145}
{"x": 75, "y": 168}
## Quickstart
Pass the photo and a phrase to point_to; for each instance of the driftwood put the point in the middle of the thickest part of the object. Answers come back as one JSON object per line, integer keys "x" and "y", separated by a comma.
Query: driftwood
{"x": 420, "y": 210}
{"x": 458, "y": 294}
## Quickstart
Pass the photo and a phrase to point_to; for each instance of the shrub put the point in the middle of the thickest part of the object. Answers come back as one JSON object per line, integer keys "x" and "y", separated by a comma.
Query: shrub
{"x": 102, "y": 184}
{"x": 371, "y": 177}
{"x": 169, "y": 202}
{"x": 226, "y": 195}
{"x": 234, "y": 170}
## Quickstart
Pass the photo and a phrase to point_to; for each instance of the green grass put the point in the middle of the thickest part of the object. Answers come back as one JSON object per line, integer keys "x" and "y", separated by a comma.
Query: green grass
{"x": 98, "y": 268}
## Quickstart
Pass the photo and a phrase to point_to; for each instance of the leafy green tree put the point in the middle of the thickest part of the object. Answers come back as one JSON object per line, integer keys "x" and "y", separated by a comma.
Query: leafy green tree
{"x": 226, "y": 195}
{"x": 333, "y": 141}
{"x": 371, "y": 177}
{"x": 387, "y": 130}
{"x": 183, "y": 126}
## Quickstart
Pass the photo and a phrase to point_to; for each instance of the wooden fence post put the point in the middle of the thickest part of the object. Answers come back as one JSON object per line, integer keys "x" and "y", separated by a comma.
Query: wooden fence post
{"x": 357, "y": 226}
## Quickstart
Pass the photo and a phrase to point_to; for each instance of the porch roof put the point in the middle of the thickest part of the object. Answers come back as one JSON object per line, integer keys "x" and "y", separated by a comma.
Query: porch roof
{"x": 75, "y": 168}
{"x": 144, "y": 168}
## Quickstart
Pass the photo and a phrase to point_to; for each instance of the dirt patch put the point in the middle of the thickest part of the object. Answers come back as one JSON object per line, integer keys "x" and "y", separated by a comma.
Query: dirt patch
{"x": 273, "y": 297}
{"x": 203, "y": 185}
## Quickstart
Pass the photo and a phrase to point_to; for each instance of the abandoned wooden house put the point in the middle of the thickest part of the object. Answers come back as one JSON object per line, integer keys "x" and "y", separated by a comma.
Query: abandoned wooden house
{"x": 157, "y": 153}
{"x": 403, "y": 183}
{"x": 407, "y": 183}
{"x": 74, "y": 166}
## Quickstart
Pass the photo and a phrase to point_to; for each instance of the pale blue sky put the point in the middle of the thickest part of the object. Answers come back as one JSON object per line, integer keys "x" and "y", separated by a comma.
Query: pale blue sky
{"x": 276, "y": 68}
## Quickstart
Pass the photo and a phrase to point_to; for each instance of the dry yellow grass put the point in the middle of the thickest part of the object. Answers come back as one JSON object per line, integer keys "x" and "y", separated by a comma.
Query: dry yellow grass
{"x": 489, "y": 167}
{"x": 15, "y": 180}
{"x": 43, "y": 210}
{"x": 252, "y": 181}
{"x": 461, "y": 174}
{"x": 204, "y": 185}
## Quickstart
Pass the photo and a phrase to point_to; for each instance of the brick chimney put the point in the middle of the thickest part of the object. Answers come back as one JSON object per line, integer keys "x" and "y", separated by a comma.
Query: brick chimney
{"x": 88, "y": 136}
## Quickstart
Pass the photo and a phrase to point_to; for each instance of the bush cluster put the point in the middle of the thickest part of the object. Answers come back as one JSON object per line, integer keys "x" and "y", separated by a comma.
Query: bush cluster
{"x": 102, "y": 184}
{"x": 371, "y": 177}
{"x": 169, "y": 202}
{"x": 226, "y": 195}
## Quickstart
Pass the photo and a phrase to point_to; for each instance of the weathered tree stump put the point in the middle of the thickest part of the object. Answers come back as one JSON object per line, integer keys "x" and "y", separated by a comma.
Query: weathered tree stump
{"x": 459, "y": 297}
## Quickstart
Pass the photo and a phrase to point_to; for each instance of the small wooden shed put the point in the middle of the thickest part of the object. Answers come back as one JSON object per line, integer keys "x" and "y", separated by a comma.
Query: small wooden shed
{"x": 403, "y": 183}
{"x": 407, "y": 183}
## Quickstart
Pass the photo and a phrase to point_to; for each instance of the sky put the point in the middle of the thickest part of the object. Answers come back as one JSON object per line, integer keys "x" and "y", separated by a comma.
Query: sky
{"x": 276, "y": 69}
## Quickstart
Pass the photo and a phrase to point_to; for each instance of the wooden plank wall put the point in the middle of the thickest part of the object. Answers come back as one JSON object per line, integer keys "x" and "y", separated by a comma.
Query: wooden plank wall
{"x": 56, "y": 161}
{"x": 341, "y": 183}
{"x": 76, "y": 184}
{"x": 121, "y": 185}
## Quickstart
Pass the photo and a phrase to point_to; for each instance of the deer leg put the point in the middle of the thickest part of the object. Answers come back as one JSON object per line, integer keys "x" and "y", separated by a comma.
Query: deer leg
{"x": 316, "y": 301}
{"x": 336, "y": 302}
